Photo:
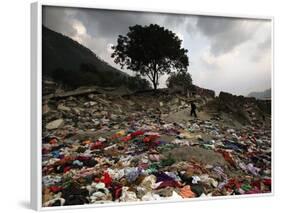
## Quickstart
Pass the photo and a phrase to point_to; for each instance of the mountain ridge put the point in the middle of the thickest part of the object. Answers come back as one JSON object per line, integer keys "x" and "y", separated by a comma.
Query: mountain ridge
{"x": 66, "y": 61}
{"x": 261, "y": 95}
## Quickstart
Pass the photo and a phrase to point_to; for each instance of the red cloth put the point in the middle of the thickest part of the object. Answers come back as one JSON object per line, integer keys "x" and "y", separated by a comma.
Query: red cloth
{"x": 150, "y": 138}
{"x": 127, "y": 138}
{"x": 83, "y": 158}
{"x": 116, "y": 191}
{"x": 136, "y": 133}
{"x": 55, "y": 189}
{"x": 256, "y": 184}
{"x": 233, "y": 183}
{"x": 66, "y": 169}
{"x": 106, "y": 179}
{"x": 267, "y": 182}
{"x": 97, "y": 145}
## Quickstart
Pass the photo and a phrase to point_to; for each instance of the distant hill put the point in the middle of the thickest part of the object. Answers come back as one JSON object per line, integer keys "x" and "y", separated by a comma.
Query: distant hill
{"x": 74, "y": 65}
{"x": 261, "y": 95}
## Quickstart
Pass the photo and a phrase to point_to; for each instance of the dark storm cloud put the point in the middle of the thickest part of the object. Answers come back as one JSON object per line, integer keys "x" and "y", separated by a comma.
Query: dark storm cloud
{"x": 226, "y": 33}
{"x": 105, "y": 23}
{"x": 59, "y": 19}
{"x": 109, "y": 23}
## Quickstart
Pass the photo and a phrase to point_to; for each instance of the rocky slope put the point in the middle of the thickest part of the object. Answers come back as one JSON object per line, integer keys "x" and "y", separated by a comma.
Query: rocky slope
{"x": 102, "y": 146}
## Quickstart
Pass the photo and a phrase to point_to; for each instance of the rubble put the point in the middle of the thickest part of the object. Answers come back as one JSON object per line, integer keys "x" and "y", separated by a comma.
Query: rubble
{"x": 63, "y": 108}
{"x": 55, "y": 124}
{"x": 100, "y": 148}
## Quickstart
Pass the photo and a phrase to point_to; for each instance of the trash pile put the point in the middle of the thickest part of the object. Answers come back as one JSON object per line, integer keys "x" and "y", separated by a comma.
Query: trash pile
{"x": 101, "y": 149}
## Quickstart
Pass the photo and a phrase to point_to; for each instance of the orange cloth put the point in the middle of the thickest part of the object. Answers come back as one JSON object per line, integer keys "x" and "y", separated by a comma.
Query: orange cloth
{"x": 186, "y": 192}
{"x": 150, "y": 138}
{"x": 87, "y": 142}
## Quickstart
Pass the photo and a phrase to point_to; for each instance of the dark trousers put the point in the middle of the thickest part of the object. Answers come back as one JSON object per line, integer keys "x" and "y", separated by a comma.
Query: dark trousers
{"x": 193, "y": 112}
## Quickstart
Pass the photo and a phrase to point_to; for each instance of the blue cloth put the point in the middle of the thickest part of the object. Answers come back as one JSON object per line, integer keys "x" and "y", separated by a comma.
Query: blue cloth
{"x": 56, "y": 154}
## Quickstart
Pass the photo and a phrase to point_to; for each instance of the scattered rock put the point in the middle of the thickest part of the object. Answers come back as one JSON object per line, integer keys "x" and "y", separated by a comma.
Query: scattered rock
{"x": 76, "y": 110}
{"x": 90, "y": 104}
{"x": 55, "y": 124}
{"x": 63, "y": 108}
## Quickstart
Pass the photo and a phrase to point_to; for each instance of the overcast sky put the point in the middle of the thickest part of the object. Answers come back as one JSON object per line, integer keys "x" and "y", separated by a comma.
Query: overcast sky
{"x": 226, "y": 54}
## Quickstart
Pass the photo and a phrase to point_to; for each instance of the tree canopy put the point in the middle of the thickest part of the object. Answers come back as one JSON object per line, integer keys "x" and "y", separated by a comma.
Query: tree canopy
{"x": 179, "y": 79}
{"x": 150, "y": 51}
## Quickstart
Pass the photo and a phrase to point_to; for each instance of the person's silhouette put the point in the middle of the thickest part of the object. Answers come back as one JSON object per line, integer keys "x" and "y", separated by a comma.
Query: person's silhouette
{"x": 193, "y": 110}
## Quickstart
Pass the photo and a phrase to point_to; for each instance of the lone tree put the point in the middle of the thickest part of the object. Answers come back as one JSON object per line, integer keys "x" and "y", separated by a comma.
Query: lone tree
{"x": 150, "y": 51}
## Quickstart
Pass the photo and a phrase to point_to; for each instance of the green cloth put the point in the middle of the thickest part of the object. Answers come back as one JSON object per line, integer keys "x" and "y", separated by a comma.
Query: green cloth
{"x": 246, "y": 187}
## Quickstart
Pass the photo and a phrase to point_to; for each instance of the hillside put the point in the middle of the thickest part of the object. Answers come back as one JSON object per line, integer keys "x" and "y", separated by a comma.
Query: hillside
{"x": 261, "y": 95}
{"x": 66, "y": 61}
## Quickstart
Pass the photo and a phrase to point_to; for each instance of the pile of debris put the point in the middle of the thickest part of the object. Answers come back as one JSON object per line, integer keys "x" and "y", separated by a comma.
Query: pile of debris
{"x": 101, "y": 148}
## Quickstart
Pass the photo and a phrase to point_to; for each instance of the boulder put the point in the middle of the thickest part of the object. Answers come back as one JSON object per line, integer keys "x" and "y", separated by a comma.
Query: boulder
{"x": 55, "y": 124}
{"x": 63, "y": 108}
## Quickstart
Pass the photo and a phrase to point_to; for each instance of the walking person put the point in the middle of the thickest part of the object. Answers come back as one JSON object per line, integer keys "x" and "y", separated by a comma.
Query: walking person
{"x": 193, "y": 110}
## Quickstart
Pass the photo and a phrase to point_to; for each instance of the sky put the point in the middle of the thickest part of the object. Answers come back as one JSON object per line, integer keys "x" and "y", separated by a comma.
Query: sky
{"x": 225, "y": 54}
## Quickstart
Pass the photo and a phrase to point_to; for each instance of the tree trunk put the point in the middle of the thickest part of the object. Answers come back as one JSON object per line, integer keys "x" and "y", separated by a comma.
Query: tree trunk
{"x": 155, "y": 77}
{"x": 154, "y": 85}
